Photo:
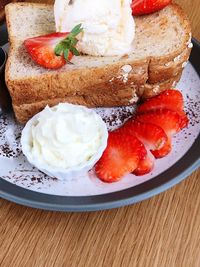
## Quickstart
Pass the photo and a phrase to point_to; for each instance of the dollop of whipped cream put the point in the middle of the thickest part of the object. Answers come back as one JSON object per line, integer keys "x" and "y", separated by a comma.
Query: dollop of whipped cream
{"x": 65, "y": 136}
{"x": 108, "y": 25}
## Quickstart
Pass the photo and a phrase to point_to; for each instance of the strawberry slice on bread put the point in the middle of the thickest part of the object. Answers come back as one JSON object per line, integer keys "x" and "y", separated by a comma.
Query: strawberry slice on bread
{"x": 53, "y": 50}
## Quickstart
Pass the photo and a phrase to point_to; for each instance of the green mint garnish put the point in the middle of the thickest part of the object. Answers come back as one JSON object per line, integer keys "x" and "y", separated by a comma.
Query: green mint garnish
{"x": 68, "y": 44}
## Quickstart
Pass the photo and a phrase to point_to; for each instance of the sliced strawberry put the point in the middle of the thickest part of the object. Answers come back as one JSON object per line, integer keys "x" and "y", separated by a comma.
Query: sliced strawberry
{"x": 53, "y": 50}
{"x": 122, "y": 155}
{"x": 149, "y": 134}
{"x": 145, "y": 165}
{"x": 169, "y": 99}
{"x": 141, "y": 7}
{"x": 168, "y": 120}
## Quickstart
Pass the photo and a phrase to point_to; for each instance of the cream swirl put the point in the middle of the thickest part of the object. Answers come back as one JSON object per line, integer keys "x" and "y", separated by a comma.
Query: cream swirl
{"x": 65, "y": 136}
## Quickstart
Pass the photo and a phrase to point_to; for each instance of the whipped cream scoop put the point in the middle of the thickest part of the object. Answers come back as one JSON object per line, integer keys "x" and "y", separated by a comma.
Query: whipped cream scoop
{"x": 64, "y": 140}
{"x": 108, "y": 25}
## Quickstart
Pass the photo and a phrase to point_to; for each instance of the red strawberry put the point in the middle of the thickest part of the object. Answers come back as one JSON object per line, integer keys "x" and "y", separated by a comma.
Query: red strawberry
{"x": 145, "y": 165}
{"x": 53, "y": 50}
{"x": 141, "y": 7}
{"x": 169, "y": 99}
{"x": 149, "y": 134}
{"x": 122, "y": 155}
{"x": 169, "y": 121}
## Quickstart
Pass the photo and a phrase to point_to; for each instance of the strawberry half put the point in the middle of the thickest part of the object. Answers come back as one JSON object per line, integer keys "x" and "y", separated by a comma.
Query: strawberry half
{"x": 122, "y": 155}
{"x": 53, "y": 50}
{"x": 169, "y": 99}
{"x": 170, "y": 121}
{"x": 142, "y": 7}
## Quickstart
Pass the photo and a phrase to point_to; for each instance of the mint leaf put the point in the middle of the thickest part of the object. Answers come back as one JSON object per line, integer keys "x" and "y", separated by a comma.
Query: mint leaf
{"x": 74, "y": 51}
{"x": 77, "y": 29}
{"x": 66, "y": 54}
{"x": 58, "y": 50}
{"x": 68, "y": 44}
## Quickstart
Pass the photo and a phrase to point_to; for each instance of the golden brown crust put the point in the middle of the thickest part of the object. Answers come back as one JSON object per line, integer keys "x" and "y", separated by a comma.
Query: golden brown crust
{"x": 24, "y": 112}
{"x": 168, "y": 66}
{"x": 84, "y": 81}
{"x": 79, "y": 82}
{"x": 164, "y": 69}
{"x": 151, "y": 90}
{"x": 125, "y": 97}
{"x": 186, "y": 24}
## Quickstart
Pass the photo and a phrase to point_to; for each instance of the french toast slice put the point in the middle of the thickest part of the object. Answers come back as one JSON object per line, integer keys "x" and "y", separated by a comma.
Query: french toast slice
{"x": 162, "y": 46}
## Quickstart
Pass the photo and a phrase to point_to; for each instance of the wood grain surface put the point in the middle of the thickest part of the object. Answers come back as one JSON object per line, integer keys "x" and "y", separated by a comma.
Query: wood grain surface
{"x": 163, "y": 231}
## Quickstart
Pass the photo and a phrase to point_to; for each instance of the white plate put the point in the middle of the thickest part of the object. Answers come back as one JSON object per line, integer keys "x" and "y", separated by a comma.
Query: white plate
{"x": 15, "y": 168}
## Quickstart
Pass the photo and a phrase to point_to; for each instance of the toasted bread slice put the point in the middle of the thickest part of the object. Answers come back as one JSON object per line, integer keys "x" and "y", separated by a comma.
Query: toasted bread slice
{"x": 123, "y": 98}
{"x": 162, "y": 45}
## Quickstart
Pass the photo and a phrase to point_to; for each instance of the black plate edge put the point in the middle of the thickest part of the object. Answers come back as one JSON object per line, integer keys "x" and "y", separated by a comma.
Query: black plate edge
{"x": 104, "y": 205}
{"x": 185, "y": 166}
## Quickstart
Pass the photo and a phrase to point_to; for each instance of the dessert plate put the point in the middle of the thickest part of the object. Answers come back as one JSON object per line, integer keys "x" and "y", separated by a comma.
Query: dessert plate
{"x": 24, "y": 184}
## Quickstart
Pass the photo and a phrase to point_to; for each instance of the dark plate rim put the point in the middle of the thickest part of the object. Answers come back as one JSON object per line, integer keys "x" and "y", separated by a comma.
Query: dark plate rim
{"x": 175, "y": 174}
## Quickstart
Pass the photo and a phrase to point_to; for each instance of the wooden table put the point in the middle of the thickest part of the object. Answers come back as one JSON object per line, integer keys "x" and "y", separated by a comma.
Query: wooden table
{"x": 163, "y": 231}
